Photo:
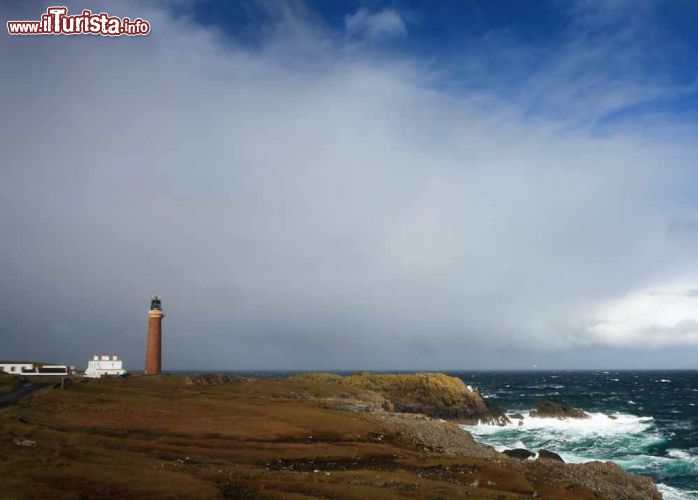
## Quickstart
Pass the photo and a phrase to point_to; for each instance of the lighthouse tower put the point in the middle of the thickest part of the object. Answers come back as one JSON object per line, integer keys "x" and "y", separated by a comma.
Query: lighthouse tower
{"x": 153, "y": 348}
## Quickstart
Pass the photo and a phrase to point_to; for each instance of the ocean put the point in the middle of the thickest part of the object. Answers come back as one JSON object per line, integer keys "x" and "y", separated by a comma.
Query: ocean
{"x": 655, "y": 432}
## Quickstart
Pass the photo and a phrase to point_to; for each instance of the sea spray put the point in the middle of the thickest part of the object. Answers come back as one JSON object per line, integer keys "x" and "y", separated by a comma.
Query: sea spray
{"x": 653, "y": 430}
{"x": 576, "y": 440}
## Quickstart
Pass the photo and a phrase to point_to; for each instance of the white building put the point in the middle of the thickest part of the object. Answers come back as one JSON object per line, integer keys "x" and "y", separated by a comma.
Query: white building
{"x": 104, "y": 366}
{"x": 48, "y": 371}
{"x": 16, "y": 367}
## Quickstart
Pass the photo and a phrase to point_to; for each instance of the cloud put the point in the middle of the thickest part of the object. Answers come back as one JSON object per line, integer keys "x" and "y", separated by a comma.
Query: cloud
{"x": 299, "y": 205}
{"x": 387, "y": 23}
{"x": 656, "y": 318}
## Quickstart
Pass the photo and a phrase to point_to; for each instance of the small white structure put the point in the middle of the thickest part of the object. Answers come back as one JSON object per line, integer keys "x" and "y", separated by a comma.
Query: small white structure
{"x": 104, "y": 366}
{"x": 16, "y": 367}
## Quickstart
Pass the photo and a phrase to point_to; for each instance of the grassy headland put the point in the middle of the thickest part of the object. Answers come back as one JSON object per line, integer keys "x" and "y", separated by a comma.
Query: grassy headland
{"x": 320, "y": 436}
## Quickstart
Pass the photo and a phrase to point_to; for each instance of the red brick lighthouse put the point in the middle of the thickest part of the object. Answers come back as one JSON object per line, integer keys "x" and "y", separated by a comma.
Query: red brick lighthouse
{"x": 153, "y": 348}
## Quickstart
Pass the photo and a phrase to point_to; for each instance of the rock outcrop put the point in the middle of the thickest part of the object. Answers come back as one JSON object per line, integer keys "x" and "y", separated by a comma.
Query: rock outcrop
{"x": 550, "y": 409}
{"x": 432, "y": 394}
{"x": 433, "y": 435}
{"x": 605, "y": 479}
{"x": 549, "y": 455}
{"x": 520, "y": 453}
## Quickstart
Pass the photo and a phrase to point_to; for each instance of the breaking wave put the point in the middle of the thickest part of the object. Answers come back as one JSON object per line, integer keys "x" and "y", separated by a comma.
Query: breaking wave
{"x": 576, "y": 440}
{"x": 645, "y": 421}
{"x": 669, "y": 493}
{"x": 621, "y": 438}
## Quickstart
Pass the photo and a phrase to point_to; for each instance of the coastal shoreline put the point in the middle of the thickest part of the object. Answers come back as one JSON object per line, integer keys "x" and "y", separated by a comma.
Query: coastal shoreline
{"x": 241, "y": 437}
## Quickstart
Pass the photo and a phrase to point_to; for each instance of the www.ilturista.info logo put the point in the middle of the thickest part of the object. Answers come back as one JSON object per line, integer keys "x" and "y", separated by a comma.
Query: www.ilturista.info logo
{"x": 56, "y": 21}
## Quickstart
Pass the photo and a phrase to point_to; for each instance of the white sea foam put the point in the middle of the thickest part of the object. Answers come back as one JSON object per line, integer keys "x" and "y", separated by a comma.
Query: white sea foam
{"x": 625, "y": 439}
{"x": 669, "y": 493}
{"x": 666, "y": 466}
{"x": 576, "y": 440}
{"x": 599, "y": 424}
{"x": 517, "y": 444}
{"x": 546, "y": 386}
{"x": 681, "y": 454}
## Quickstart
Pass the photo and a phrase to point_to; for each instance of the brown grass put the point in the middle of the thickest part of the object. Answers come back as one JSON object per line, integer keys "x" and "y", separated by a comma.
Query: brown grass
{"x": 155, "y": 437}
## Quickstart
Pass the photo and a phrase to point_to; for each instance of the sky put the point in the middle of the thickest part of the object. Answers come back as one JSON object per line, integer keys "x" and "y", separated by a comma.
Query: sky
{"x": 355, "y": 185}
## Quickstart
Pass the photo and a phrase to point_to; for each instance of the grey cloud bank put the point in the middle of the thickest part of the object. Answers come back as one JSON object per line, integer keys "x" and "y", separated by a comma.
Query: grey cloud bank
{"x": 308, "y": 205}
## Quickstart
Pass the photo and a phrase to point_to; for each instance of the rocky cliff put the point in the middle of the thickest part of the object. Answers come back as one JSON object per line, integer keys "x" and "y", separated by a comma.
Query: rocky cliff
{"x": 432, "y": 394}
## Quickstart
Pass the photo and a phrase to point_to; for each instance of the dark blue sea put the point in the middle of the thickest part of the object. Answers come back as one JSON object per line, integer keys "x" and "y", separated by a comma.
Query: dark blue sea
{"x": 654, "y": 433}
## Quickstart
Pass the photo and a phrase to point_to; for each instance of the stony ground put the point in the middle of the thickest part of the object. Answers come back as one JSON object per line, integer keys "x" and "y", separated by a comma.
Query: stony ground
{"x": 161, "y": 437}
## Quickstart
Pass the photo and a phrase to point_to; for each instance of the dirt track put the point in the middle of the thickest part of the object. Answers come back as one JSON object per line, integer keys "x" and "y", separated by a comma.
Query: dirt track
{"x": 17, "y": 394}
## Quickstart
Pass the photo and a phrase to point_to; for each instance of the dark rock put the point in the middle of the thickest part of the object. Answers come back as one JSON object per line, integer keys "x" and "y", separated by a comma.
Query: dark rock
{"x": 547, "y": 408}
{"x": 550, "y": 455}
{"x": 517, "y": 416}
{"x": 612, "y": 417}
{"x": 520, "y": 453}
